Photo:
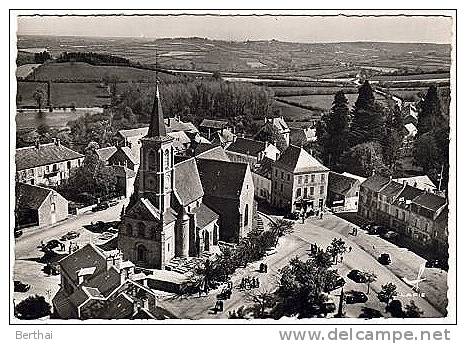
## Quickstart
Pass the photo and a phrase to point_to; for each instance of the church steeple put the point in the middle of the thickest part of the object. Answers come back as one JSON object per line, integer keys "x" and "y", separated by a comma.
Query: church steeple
{"x": 157, "y": 125}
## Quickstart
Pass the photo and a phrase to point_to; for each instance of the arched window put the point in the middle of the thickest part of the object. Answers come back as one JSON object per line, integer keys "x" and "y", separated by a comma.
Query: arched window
{"x": 246, "y": 215}
{"x": 129, "y": 229}
{"x": 151, "y": 160}
{"x": 141, "y": 230}
{"x": 166, "y": 159}
{"x": 141, "y": 253}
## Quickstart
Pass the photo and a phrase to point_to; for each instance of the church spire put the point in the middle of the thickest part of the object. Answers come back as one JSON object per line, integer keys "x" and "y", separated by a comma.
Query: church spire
{"x": 157, "y": 125}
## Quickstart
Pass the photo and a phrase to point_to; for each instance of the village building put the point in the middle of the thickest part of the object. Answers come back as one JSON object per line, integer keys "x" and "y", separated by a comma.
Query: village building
{"x": 401, "y": 209}
{"x": 38, "y": 206}
{"x": 425, "y": 211}
{"x": 386, "y": 196}
{"x": 262, "y": 177}
{"x": 369, "y": 196}
{"x": 223, "y": 137}
{"x": 343, "y": 192}
{"x": 46, "y": 164}
{"x": 105, "y": 153}
{"x": 299, "y": 181}
{"x": 96, "y": 284}
{"x": 209, "y": 127}
{"x": 125, "y": 178}
{"x": 251, "y": 151}
{"x": 210, "y": 152}
{"x": 420, "y": 182}
{"x": 302, "y": 136}
{"x": 279, "y": 124}
{"x": 123, "y": 156}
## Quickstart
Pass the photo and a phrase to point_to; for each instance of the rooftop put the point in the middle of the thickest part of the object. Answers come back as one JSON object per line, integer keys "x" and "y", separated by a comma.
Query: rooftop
{"x": 30, "y": 196}
{"x": 204, "y": 215}
{"x": 43, "y": 154}
{"x": 430, "y": 201}
{"x": 392, "y": 189}
{"x": 246, "y": 146}
{"x": 210, "y": 151}
{"x": 264, "y": 168}
{"x": 222, "y": 178}
{"x": 106, "y": 152}
{"x": 340, "y": 184}
{"x": 188, "y": 186}
{"x": 375, "y": 182}
{"x": 296, "y": 160}
{"x": 214, "y": 123}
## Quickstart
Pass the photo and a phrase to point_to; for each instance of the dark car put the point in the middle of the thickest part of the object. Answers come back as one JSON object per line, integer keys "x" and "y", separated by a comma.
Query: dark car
{"x": 21, "y": 287}
{"x": 18, "y": 233}
{"x": 357, "y": 276}
{"x": 376, "y": 229}
{"x": 328, "y": 307}
{"x": 54, "y": 243}
{"x": 70, "y": 236}
{"x": 339, "y": 282}
{"x": 100, "y": 206}
{"x": 390, "y": 235}
{"x": 355, "y": 296}
{"x": 385, "y": 259}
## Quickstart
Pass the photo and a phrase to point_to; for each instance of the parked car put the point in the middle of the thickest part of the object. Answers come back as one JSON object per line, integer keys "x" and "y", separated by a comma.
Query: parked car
{"x": 355, "y": 296}
{"x": 390, "y": 235}
{"x": 54, "y": 243}
{"x": 100, "y": 206}
{"x": 70, "y": 236}
{"x": 376, "y": 229}
{"x": 384, "y": 259}
{"x": 270, "y": 251}
{"x": 340, "y": 282}
{"x": 357, "y": 276}
{"x": 18, "y": 233}
{"x": 21, "y": 287}
{"x": 112, "y": 203}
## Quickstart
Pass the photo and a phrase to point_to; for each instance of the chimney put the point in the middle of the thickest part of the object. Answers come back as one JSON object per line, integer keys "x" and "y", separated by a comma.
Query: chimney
{"x": 37, "y": 144}
{"x": 57, "y": 142}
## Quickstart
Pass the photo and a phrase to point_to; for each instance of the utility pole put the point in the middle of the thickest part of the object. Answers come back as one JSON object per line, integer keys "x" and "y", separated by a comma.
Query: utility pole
{"x": 440, "y": 179}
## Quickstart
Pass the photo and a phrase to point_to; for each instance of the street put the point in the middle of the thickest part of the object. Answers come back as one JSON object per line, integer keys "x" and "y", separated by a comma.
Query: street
{"x": 28, "y": 270}
{"x": 322, "y": 232}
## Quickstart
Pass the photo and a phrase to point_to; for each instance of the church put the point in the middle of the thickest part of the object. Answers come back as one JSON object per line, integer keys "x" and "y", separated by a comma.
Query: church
{"x": 174, "y": 211}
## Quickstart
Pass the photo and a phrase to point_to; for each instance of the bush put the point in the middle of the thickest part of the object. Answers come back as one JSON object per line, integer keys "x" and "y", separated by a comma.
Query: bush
{"x": 34, "y": 307}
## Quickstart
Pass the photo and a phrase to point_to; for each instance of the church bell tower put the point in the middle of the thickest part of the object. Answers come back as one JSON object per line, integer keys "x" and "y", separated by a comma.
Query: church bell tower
{"x": 157, "y": 160}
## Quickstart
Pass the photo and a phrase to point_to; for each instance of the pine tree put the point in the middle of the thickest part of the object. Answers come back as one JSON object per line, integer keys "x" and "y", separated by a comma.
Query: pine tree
{"x": 430, "y": 111}
{"x": 367, "y": 123}
{"x": 393, "y": 135}
{"x": 333, "y": 130}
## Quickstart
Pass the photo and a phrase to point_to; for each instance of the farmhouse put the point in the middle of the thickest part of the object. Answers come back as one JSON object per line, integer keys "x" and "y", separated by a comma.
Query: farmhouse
{"x": 38, "y": 206}
{"x": 251, "y": 151}
{"x": 46, "y": 164}
{"x": 209, "y": 127}
{"x": 279, "y": 124}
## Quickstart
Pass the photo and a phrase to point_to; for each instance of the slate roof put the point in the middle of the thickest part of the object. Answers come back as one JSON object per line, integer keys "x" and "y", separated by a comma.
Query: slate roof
{"x": 264, "y": 168}
{"x": 420, "y": 182}
{"x": 87, "y": 256}
{"x": 106, "y": 152}
{"x": 171, "y": 125}
{"x": 204, "y": 215}
{"x": 213, "y": 123}
{"x": 406, "y": 196}
{"x": 392, "y": 189}
{"x": 279, "y": 123}
{"x": 105, "y": 282}
{"x": 340, "y": 184}
{"x": 221, "y": 178}
{"x": 375, "y": 182}
{"x": 246, "y": 146}
{"x": 128, "y": 152}
{"x": 222, "y": 137}
{"x": 30, "y": 196}
{"x": 120, "y": 308}
{"x": 302, "y": 135}
{"x": 297, "y": 160}
{"x": 150, "y": 211}
{"x": 430, "y": 201}
{"x": 188, "y": 186}
{"x": 210, "y": 151}
{"x": 46, "y": 154}
{"x": 134, "y": 132}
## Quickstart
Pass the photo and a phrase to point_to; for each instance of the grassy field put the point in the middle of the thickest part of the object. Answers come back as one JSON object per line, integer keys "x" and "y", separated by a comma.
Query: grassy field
{"x": 64, "y": 94}
{"x": 302, "y": 91}
{"x": 79, "y": 71}
{"x": 426, "y": 76}
{"x": 295, "y": 113}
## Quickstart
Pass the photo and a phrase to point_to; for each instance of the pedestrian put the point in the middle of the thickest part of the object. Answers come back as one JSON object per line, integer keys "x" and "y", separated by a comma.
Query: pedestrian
{"x": 69, "y": 249}
{"x": 349, "y": 249}
{"x": 266, "y": 267}
{"x": 258, "y": 283}
{"x": 321, "y": 215}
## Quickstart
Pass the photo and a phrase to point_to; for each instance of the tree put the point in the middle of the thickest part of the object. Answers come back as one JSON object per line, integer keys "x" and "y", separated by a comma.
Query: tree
{"x": 430, "y": 111}
{"x": 387, "y": 293}
{"x": 336, "y": 248}
{"x": 38, "y": 96}
{"x": 367, "y": 122}
{"x": 33, "y": 307}
{"x": 365, "y": 158}
{"x": 412, "y": 310}
{"x": 333, "y": 130}
{"x": 393, "y": 140}
{"x": 262, "y": 299}
{"x": 280, "y": 228}
{"x": 302, "y": 287}
{"x": 370, "y": 278}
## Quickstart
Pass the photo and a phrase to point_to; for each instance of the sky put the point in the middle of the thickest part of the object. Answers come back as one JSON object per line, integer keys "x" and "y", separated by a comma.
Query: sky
{"x": 305, "y": 29}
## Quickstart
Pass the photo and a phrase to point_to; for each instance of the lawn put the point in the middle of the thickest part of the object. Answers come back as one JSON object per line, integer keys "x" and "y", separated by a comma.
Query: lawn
{"x": 26, "y": 90}
{"x": 424, "y": 76}
{"x": 302, "y": 91}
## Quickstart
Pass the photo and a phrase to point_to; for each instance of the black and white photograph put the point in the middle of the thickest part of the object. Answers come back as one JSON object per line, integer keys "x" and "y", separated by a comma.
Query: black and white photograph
{"x": 233, "y": 167}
